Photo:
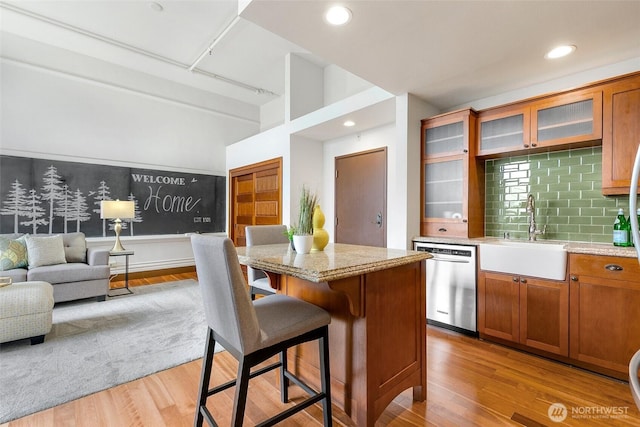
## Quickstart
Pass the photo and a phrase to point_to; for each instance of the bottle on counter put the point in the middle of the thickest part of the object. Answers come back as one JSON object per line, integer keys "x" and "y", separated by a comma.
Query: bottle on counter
{"x": 621, "y": 230}
{"x": 633, "y": 243}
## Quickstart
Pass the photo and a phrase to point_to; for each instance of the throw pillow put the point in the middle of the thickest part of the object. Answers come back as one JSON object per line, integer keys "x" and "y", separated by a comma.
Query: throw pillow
{"x": 45, "y": 251}
{"x": 75, "y": 247}
{"x": 13, "y": 253}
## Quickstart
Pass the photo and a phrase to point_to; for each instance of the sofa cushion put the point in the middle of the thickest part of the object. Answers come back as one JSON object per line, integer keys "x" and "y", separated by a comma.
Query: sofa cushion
{"x": 45, "y": 251}
{"x": 71, "y": 272}
{"x": 17, "y": 274}
{"x": 75, "y": 247}
{"x": 13, "y": 253}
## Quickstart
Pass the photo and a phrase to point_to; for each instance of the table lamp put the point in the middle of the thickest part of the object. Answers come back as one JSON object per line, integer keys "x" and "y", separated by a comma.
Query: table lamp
{"x": 118, "y": 210}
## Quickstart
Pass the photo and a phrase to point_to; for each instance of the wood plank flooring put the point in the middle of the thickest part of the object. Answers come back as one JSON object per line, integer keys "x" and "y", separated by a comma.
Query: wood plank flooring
{"x": 470, "y": 383}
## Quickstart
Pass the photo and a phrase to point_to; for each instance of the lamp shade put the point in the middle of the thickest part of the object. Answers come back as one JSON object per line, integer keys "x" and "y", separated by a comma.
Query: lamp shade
{"x": 111, "y": 209}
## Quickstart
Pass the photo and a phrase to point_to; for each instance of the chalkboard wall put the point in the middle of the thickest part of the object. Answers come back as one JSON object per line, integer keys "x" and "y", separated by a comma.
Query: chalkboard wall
{"x": 40, "y": 196}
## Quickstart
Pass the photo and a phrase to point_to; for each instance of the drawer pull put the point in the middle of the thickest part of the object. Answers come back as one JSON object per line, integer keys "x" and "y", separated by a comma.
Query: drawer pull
{"x": 574, "y": 278}
{"x": 613, "y": 267}
{"x": 442, "y": 230}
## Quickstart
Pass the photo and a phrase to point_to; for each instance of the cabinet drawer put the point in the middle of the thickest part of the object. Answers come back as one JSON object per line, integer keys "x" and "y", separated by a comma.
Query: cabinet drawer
{"x": 606, "y": 267}
{"x": 444, "y": 229}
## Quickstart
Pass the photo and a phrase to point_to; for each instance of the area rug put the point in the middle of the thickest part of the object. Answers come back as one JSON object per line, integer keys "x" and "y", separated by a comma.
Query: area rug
{"x": 97, "y": 345}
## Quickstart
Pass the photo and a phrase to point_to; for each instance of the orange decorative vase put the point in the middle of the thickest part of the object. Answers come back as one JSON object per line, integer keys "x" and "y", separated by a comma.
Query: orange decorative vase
{"x": 320, "y": 235}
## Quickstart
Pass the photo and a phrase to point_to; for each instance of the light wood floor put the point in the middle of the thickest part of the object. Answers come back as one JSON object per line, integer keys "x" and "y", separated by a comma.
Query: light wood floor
{"x": 470, "y": 382}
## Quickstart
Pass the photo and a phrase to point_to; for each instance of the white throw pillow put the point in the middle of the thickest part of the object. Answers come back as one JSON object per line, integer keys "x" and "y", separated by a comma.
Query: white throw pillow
{"x": 45, "y": 251}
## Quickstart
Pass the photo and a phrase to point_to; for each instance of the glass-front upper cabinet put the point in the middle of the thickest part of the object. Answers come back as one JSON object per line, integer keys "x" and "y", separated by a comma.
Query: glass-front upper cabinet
{"x": 568, "y": 118}
{"x": 503, "y": 130}
{"x": 448, "y": 173}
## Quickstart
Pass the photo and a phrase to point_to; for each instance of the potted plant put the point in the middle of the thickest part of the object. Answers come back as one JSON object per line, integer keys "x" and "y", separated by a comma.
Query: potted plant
{"x": 303, "y": 233}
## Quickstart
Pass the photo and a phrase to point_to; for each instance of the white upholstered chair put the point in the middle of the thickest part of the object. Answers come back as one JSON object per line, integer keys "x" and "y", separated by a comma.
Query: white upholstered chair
{"x": 253, "y": 332}
{"x": 634, "y": 382}
{"x": 263, "y": 235}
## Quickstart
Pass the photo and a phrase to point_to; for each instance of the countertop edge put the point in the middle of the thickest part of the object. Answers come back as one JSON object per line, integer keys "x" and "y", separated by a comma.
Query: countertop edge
{"x": 584, "y": 248}
{"x": 336, "y": 274}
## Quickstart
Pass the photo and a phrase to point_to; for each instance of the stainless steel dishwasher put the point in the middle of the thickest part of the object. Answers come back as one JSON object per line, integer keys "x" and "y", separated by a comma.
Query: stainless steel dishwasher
{"x": 451, "y": 286}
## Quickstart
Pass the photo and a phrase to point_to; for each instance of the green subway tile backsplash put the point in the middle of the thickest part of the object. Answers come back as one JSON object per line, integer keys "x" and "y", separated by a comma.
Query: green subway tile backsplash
{"x": 566, "y": 186}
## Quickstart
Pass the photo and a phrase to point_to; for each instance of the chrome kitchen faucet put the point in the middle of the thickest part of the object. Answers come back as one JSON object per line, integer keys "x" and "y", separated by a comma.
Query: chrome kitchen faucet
{"x": 531, "y": 210}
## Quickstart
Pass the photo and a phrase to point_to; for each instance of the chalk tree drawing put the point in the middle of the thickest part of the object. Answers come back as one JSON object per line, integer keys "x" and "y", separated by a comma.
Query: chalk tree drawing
{"x": 36, "y": 212}
{"x": 137, "y": 213}
{"x": 15, "y": 203}
{"x": 79, "y": 209}
{"x": 103, "y": 193}
{"x": 51, "y": 191}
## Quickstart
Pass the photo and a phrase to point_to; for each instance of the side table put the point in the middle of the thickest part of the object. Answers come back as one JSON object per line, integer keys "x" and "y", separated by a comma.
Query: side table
{"x": 126, "y": 255}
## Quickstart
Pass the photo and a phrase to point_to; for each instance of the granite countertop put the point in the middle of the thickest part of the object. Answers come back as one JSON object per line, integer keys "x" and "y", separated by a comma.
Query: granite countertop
{"x": 572, "y": 247}
{"x": 336, "y": 261}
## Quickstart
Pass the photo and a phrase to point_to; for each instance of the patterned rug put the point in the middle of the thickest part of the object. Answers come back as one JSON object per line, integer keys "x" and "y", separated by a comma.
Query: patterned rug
{"x": 97, "y": 345}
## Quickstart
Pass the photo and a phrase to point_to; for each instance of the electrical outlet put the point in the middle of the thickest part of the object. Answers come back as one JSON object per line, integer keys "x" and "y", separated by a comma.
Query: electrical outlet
{"x": 113, "y": 263}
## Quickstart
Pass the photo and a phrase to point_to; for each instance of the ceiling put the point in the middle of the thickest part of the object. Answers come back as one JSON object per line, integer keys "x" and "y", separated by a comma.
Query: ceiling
{"x": 445, "y": 52}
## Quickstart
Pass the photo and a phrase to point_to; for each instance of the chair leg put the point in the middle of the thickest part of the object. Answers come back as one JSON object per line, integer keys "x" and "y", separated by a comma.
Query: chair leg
{"x": 205, "y": 377}
{"x": 252, "y": 291}
{"x": 242, "y": 387}
{"x": 284, "y": 380}
{"x": 325, "y": 380}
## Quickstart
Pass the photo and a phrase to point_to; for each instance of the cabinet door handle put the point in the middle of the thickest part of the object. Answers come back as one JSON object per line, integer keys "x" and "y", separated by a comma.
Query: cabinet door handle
{"x": 534, "y": 145}
{"x": 515, "y": 280}
{"x": 526, "y": 145}
{"x": 523, "y": 280}
{"x": 613, "y": 267}
{"x": 465, "y": 150}
{"x": 574, "y": 278}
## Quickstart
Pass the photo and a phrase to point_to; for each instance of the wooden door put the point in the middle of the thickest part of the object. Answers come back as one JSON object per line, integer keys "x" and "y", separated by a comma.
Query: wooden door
{"x": 361, "y": 198}
{"x": 621, "y": 128}
{"x": 544, "y": 315}
{"x": 499, "y": 305}
{"x": 256, "y": 197}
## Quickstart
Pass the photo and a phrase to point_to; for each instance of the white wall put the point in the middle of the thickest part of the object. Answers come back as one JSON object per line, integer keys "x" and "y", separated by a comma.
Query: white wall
{"x": 54, "y": 111}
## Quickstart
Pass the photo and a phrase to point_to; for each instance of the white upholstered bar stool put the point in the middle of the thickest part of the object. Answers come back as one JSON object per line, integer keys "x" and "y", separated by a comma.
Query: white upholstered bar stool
{"x": 263, "y": 235}
{"x": 253, "y": 332}
{"x": 634, "y": 382}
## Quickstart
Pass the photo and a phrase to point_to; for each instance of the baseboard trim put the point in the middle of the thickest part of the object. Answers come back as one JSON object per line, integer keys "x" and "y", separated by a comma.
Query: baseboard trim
{"x": 155, "y": 273}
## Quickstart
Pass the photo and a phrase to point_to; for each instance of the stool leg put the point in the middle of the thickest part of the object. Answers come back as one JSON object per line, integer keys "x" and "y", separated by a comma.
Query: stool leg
{"x": 242, "y": 387}
{"x": 325, "y": 374}
{"x": 205, "y": 377}
{"x": 284, "y": 381}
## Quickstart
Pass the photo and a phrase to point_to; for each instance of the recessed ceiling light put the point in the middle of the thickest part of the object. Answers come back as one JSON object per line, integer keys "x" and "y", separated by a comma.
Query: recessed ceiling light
{"x": 349, "y": 123}
{"x": 560, "y": 51}
{"x": 338, "y": 15}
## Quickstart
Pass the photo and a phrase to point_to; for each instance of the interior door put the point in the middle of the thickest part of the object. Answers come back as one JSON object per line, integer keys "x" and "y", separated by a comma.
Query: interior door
{"x": 361, "y": 198}
{"x": 256, "y": 197}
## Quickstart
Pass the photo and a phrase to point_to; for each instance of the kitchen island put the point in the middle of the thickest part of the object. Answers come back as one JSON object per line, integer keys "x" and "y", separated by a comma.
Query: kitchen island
{"x": 377, "y": 336}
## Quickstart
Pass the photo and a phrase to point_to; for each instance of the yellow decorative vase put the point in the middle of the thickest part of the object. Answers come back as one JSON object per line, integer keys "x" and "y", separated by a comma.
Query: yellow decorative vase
{"x": 320, "y": 235}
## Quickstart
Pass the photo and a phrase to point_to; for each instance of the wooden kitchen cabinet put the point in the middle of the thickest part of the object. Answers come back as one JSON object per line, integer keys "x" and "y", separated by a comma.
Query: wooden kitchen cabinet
{"x": 605, "y": 312}
{"x": 567, "y": 120}
{"x": 524, "y": 310}
{"x": 621, "y": 133}
{"x": 451, "y": 178}
{"x": 503, "y": 130}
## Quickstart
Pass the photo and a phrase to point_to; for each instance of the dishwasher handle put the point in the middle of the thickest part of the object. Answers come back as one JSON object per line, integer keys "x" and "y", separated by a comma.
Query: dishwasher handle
{"x": 455, "y": 261}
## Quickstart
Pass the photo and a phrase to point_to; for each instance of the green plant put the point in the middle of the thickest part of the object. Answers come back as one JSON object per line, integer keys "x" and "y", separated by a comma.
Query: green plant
{"x": 290, "y": 232}
{"x": 307, "y": 204}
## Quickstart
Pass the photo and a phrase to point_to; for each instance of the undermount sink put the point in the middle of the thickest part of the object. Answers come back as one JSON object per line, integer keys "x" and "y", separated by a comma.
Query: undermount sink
{"x": 534, "y": 259}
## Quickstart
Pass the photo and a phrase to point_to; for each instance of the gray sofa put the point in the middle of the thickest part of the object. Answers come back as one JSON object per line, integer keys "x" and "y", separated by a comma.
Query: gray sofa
{"x": 73, "y": 279}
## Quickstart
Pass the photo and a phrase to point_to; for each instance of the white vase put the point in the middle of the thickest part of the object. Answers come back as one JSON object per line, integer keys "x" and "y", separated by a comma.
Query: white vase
{"x": 303, "y": 243}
